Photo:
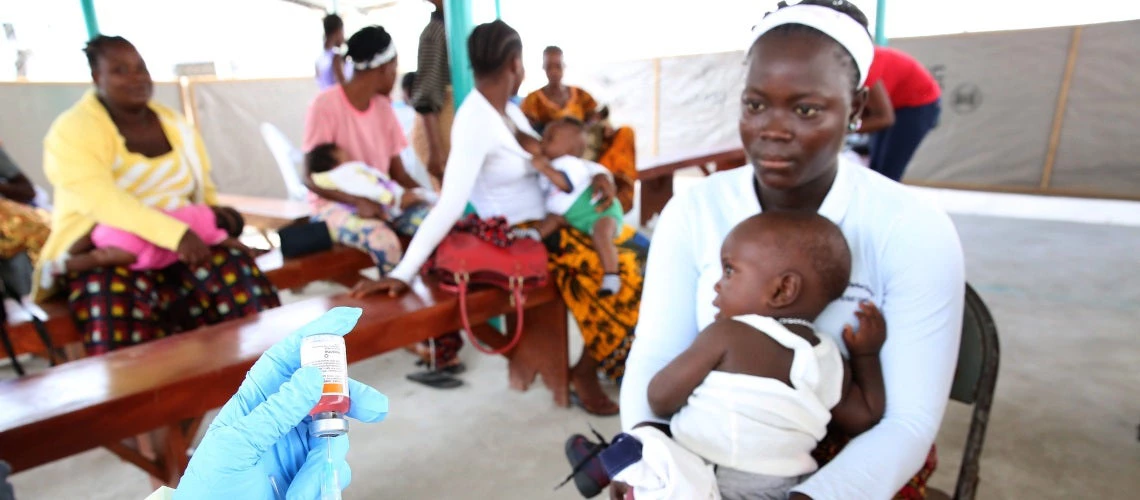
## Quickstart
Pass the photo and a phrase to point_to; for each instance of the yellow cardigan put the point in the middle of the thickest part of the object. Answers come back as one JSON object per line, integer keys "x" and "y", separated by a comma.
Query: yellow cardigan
{"x": 81, "y": 152}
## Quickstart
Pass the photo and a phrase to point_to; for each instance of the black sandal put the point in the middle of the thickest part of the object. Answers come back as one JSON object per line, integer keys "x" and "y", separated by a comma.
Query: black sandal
{"x": 455, "y": 369}
{"x": 440, "y": 379}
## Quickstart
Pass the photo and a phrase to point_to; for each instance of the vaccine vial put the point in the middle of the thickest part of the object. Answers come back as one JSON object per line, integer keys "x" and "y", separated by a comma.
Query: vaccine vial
{"x": 327, "y": 353}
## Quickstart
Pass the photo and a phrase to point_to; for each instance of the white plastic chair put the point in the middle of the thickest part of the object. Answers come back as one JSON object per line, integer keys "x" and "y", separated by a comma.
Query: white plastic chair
{"x": 287, "y": 158}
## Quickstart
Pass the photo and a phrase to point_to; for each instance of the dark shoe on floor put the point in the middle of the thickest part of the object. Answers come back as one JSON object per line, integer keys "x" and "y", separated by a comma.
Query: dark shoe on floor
{"x": 436, "y": 379}
{"x": 589, "y": 475}
{"x": 455, "y": 369}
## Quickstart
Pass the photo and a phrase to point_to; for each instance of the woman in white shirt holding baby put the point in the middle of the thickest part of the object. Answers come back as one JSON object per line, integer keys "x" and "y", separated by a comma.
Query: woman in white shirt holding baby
{"x": 803, "y": 93}
{"x": 488, "y": 168}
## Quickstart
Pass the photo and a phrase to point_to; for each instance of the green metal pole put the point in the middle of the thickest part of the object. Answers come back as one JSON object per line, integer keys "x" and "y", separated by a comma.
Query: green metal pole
{"x": 498, "y": 10}
{"x": 457, "y": 17}
{"x": 881, "y": 23}
{"x": 89, "y": 16}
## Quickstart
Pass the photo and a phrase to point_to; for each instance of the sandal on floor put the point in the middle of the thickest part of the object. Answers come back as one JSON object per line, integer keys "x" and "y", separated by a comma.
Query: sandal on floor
{"x": 455, "y": 369}
{"x": 588, "y": 473}
{"x": 435, "y": 379}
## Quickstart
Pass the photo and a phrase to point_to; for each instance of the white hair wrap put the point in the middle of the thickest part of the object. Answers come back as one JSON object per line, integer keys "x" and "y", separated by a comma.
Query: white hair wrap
{"x": 837, "y": 25}
{"x": 378, "y": 60}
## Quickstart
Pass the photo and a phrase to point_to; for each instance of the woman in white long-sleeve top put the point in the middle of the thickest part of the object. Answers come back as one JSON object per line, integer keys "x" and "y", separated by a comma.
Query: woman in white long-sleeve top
{"x": 804, "y": 92}
{"x": 488, "y": 168}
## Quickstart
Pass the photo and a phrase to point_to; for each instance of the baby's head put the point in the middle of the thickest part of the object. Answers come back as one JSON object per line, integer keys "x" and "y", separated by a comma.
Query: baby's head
{"x": 324, "y": 157}
{"x": 564, "y": 136}
{"x": 782, "y": 264}
{"x": 229, "y": 220}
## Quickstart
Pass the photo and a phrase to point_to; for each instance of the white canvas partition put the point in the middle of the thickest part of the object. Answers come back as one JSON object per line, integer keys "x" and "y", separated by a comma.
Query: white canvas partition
{"x": 700, "y": 101}
{"x": 28, "y": 110}
{"x": 229, "y": 114}
{"x": 998, "y": 100}
{"x": 1037, "y": 111}
{"x": 1099, "y": 153}
{"x": 629, "y": 89}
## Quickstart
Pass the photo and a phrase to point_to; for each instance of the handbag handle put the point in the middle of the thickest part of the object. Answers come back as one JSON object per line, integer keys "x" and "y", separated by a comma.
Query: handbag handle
{"x": 516, "y": 299}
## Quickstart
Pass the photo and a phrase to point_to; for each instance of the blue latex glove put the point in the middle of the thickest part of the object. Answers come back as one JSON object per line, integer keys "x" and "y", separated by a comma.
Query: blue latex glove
{"x": 263, "y": 431}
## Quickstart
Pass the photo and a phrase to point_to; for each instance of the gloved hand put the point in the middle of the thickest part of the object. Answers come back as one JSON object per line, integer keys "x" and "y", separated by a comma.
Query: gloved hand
{"x": 263, "y": 431}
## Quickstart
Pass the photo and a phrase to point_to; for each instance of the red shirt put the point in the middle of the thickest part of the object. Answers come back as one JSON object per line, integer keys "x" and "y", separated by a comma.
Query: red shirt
{"x": 906, "y": 80}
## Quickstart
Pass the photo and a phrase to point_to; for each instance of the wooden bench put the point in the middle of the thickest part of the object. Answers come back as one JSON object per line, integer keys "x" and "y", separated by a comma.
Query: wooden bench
{"x": 340, "y": 264}
{"x": 170, "y": 383}
{"x": 656, "y": 174}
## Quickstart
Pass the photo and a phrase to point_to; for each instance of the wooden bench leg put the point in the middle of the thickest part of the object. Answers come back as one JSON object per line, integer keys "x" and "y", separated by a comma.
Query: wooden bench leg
{"x": 162, "y": 454}
{"x": 543, "y": 350}
{"x": 178, "y": 439}
{"x": 144, "y": 460}
{"x": 655, "y": 193}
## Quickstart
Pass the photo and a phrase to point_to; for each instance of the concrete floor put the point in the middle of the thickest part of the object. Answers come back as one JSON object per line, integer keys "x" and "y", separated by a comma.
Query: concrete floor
{"x": 1064, "y": 424}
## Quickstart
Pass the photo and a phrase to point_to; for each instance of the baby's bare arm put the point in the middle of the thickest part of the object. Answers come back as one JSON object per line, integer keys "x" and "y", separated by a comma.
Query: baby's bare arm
{"x": 671, "y": 387}
{"x": 99, "y": 257}
{"x": 864, "y": 396}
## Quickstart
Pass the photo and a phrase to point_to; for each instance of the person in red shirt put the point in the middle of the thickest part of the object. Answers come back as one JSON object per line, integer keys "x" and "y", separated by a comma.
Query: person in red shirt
{"x": 904, "y": 106}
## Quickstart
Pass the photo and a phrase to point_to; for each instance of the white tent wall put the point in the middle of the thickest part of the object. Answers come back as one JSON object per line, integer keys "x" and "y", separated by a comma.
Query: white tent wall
{"x": 1098, "y": 151}
{"x": 998, "y": 100}
{"x": 1040, "y": 111}
{"x": 699, "y": 102}
{"x": 1000, "y": 128}
{"x": 30, "y": 108}
{"x": 229, "y": 115}
{"x": 629, "y": 89}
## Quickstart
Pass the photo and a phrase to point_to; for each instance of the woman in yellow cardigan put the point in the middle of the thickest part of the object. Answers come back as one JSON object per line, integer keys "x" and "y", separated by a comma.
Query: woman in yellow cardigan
{"x": 117, "y": 158}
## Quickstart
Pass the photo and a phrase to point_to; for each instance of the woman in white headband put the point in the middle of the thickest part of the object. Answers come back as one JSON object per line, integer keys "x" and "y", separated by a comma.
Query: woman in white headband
{"x": 802, "y": 95}
{"x": 358, "y": 117}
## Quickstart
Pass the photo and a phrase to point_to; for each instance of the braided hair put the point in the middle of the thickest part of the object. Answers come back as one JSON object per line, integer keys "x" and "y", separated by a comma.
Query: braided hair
{"x": 491, "y": 46}
{"x": 99, "y": 45}
{"x": 843, "y": 6}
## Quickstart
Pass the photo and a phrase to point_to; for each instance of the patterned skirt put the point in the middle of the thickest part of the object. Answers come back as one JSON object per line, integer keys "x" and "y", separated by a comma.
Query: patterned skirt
{"x": 607, "y": 324}
{"x": 372, "y": 236}
{"x": 117, "y": 307}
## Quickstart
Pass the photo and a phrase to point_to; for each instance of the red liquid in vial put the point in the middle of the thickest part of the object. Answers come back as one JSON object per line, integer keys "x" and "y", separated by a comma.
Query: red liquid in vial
{"x": 332, "y": 402}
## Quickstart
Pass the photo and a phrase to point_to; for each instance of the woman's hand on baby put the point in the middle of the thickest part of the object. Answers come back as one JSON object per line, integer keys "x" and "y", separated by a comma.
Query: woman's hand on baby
{"x": 392, "y": 286}
{"x": 368, "y": 209}
{"x": 192, "y": 250}
{"x": 605, "y": 190}
{"x": 868, "y": 340}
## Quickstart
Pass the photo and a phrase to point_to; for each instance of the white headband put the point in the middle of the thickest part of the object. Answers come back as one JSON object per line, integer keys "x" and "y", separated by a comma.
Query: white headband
{"x": 837, "y": 25}
{"x": 377, "y": 61}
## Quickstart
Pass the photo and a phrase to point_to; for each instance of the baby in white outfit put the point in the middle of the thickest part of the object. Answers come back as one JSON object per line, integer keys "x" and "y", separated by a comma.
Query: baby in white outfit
{"x": 754, "y": 394}
{"x": 329, "y": 167}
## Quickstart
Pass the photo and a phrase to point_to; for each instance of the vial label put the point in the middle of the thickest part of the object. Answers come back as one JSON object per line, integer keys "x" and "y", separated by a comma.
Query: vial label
{"x": 327, "y": 353}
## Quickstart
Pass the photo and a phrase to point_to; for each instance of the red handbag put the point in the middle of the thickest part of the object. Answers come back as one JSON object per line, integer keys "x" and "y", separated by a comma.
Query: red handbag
{"x": 482, "y": 252}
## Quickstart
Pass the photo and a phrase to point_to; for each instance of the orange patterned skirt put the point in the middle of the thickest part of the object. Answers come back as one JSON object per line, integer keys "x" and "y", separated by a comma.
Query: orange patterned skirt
{"x": 607, "y": 324}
